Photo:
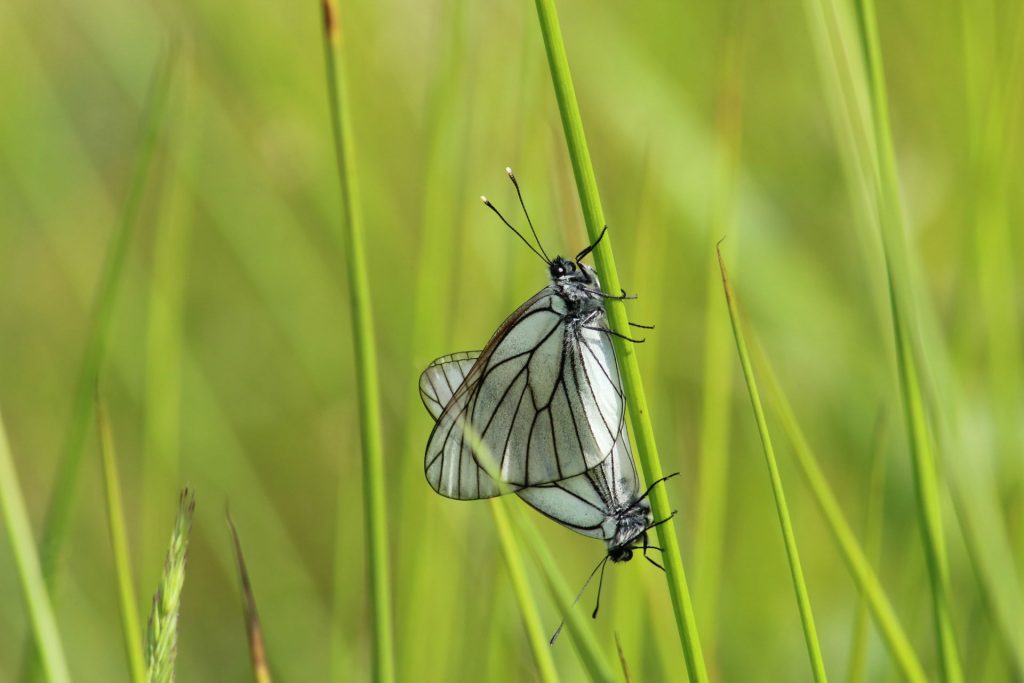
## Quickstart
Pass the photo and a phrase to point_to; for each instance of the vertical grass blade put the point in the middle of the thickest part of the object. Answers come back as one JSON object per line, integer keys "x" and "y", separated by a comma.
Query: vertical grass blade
{"x": 890, "y": 217}
{"x": 257, "y": 648}
{"x": 796, "y": 571}
{"x": 119, "y": 543}
{"x": 874, "y": 520}
{"x": 640, "y": 422}
{"x": 856, "y": 559}
{"x": 350, "y": 237}
{"x": 19, "y": 531}
{"x": 527, "y": 605}
{"x": 162, "y": 630}
{"x": 69, "y": 467}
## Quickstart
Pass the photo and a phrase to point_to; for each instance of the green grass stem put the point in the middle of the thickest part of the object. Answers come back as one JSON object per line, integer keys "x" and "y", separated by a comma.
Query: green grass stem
{"x": 590, "y": 652}
{"x": 19, "y": 532}
{"x": 130, "y": 628}
{"x": 854, "y": 556}
{"x": 350, "y": 237}
{"x": 524, "y": 595}
{"x": 873, "y": 528}
{"x": 640, "y": 421}
{"x": 890, "y": 218}
{"x": 789, "y": 537}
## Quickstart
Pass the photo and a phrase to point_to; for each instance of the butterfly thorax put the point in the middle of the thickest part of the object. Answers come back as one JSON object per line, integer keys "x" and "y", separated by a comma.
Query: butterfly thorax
{"x": 631, "y": 523}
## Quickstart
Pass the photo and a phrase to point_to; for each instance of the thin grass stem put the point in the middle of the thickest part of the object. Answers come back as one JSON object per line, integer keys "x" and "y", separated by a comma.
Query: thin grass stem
{"x": 789, "y": 537}
{"x": 130, "y": 628}
{"x": 524, "y": 595}
{"x": 893, "y": 635}
{"x": 19, "y": 531}
{"x": 591, "y": 655}
{"x": 639, "y": 416}
{"x": 349, "y": 234}
{"x": 890, "y": 217}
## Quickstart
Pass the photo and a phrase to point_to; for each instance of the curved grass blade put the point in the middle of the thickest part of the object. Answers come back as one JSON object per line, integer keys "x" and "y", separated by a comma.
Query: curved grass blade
{"x": 119, "y": 543}
{"x": 639, "y": 416}
{"x": 350, "y": 238}
{"x": 796, "y": 571}
{"x": 257, "y": 648}
{"x": 890, "y": 218}
{"x": 162, "y": 630}
{"x": 19, "y": 531}
{"x": 893, "y": 635}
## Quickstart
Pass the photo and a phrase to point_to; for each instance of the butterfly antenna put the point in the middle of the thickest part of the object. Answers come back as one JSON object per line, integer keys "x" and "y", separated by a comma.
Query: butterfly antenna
{"x": 583, "y": 254}
{"x": 656, "y": 482}
{"x": 519, "y": 194}
{"x": 487, "y": 203}
{"x": 586, "y": 583}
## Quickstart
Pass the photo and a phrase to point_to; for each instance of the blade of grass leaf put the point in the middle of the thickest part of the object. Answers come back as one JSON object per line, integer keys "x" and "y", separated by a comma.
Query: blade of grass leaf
{"x": 856, "y": 559}
{"x": 162, "y": 629}
{"x": 796, "y": 571}
{"x": 890, "y": 217}
{"x": 19, "y": 531}
{"x": 640, "y": 422}
{"x": 527, "y": 605}
{"x": 257, "y": 649}
{"x": 583, "y": 638}
{"x": 873, "y": 527}
{"x": 119, "y": 543}
{"x": 350, "y": 237}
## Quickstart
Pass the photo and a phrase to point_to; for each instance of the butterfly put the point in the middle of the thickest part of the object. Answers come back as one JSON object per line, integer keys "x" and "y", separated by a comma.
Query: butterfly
{"x": 544, "y": 397}
{"x": 603, "y": 502}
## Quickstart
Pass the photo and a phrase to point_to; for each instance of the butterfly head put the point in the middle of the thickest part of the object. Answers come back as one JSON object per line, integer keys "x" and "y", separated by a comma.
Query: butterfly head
{"x": 630, "y": 524}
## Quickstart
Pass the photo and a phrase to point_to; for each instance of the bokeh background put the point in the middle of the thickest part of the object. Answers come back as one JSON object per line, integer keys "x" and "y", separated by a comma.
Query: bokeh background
{"x": 230, "y": 363}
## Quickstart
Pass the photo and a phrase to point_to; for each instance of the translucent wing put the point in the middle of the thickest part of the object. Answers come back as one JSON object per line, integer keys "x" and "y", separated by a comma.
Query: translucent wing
{"x": 584, "y": 503}
{"x": 544, "y": 396}
{"x": 587, "y": 502}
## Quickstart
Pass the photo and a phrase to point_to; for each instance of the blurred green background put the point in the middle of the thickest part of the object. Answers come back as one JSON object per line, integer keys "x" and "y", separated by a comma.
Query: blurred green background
{"x": 230, "y": 364}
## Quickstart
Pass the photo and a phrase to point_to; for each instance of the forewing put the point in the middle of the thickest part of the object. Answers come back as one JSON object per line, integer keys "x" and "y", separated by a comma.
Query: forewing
{"x": 544, "y": 397}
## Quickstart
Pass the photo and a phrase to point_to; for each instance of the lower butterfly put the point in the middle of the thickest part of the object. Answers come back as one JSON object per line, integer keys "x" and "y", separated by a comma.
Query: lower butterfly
{"x": 603, "y": 502}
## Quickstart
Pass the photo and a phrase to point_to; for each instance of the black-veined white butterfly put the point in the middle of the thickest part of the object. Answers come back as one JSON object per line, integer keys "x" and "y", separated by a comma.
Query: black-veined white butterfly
{"x": 544, "y": 396}
{"x": 603, "y": 502}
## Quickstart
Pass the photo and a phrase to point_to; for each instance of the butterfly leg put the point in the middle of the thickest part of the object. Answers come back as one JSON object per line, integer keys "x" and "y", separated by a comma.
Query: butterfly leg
{"x": 642, "y": 327}
{"x": 616, "y": 334}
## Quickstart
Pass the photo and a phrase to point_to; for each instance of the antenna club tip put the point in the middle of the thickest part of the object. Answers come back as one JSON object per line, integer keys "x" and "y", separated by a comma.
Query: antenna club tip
{"x": 508, "y": 169}
{"x": 485, "y": 200}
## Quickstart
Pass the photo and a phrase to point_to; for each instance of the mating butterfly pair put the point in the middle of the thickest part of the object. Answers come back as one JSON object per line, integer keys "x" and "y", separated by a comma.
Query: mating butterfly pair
{"x": 540, "y": 412}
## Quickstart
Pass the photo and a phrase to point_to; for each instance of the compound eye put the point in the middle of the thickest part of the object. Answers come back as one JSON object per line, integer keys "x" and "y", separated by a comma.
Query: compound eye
{"x": 627, "y": 556}
{"x": 571, "y": 266}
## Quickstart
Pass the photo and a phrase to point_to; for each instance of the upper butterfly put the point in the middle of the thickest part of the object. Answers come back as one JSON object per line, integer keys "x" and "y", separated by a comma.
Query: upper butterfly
{"x": 544, "y": 399}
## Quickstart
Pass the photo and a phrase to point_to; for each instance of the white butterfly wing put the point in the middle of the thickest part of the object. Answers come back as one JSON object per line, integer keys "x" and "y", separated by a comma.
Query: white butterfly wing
{"x": 582, "y": 503}
{"x": 544, "y": 396}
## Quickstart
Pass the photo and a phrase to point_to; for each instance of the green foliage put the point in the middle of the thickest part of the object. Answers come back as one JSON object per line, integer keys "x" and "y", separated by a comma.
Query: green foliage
{"x": 229, "y": 359}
